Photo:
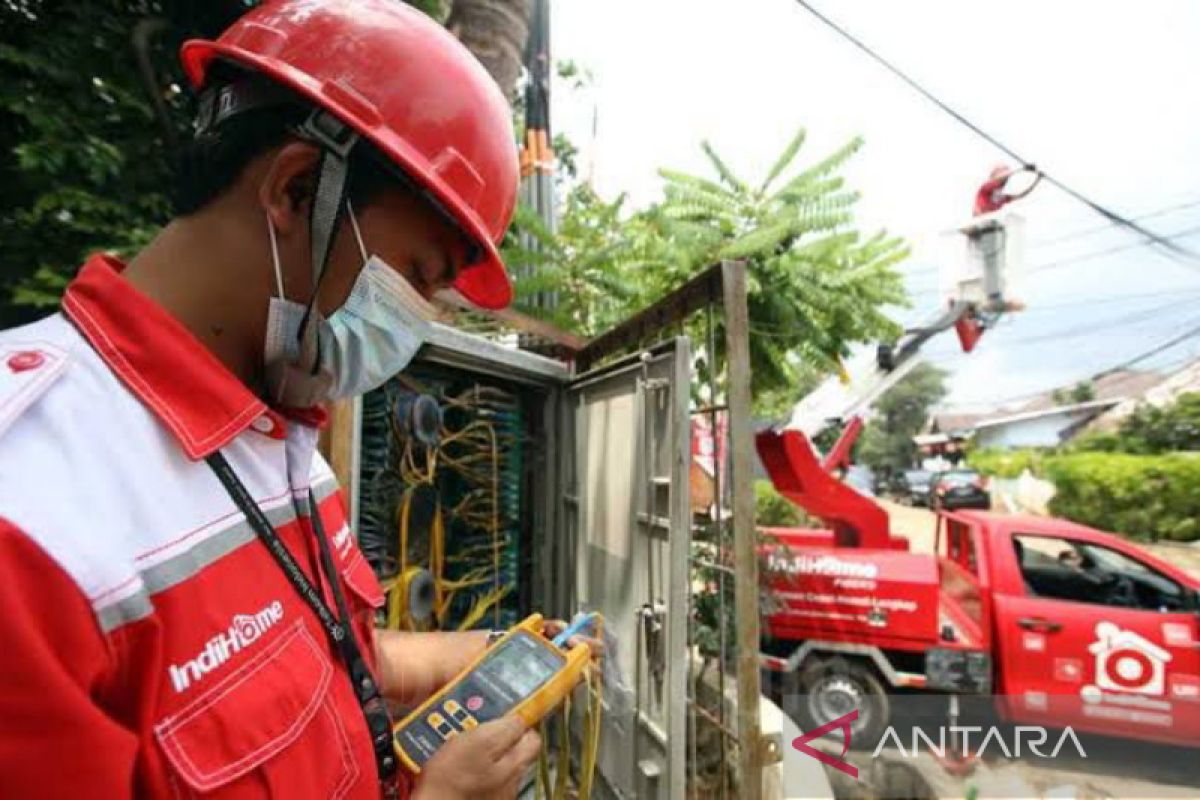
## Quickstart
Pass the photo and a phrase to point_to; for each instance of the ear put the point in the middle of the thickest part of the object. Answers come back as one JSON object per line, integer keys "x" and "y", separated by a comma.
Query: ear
{"x": 288, "y": 184}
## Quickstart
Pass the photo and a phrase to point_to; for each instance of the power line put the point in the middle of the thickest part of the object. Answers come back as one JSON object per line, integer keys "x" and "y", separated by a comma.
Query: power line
{"x": 992, "y": 405}
{"x": 1098, "y": 326}
{"x": 1078, "y": 234}
{"x": 1106, "y": 299}
{"x": 1063, "y": 262}
{"x": 1107, "y": 213}
{"x": 1094, "y": 326}
{"x": 930, "y": 269}
{"x": 1167, "y": 368}
{"x": 1174, "y": 341}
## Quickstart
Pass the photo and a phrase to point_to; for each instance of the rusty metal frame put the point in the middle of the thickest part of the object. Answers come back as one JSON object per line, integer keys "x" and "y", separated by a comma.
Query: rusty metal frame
{"x": 723, "y": 287}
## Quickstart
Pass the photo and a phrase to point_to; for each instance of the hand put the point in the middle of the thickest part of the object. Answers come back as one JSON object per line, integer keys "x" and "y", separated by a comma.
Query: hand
{"x": 486, "y": 763}
{"x": 553, "y": 627}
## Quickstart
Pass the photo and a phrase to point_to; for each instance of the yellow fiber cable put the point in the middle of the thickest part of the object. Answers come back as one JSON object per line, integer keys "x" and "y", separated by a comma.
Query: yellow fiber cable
{"x": 591, "y": 730}
{"x": 592, "y": 722}
{"x": 542, "y": 786}
{"x": 480, "y": 609}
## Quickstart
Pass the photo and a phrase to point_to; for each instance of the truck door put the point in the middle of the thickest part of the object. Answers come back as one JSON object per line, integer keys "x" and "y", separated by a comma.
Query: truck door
{"x": 1099, "y": 640}
{"x": 626, "y": 517}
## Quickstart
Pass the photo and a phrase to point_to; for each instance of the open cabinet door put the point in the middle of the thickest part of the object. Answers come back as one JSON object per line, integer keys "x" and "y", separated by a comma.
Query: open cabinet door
{"x": 627, "y": 524}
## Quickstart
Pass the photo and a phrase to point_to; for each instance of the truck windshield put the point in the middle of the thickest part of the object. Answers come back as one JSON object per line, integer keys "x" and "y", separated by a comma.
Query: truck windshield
{"x": 1083, "y": 572}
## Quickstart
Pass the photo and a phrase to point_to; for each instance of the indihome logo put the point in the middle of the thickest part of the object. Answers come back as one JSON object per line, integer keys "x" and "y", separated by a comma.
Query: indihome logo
{"x": 244, "y": 630}
{"x": 822, "y": 565}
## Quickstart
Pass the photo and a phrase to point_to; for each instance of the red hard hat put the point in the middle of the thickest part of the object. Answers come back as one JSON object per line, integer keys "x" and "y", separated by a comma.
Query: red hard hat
{"x": 405, "y": 83}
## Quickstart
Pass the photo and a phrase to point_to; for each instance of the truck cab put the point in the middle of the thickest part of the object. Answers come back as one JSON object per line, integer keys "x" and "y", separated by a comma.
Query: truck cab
{"x": 1062, "y": 624}
{"x": 1085, "y": 628}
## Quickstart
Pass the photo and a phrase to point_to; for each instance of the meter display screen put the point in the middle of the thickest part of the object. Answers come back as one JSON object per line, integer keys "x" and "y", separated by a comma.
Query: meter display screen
{"x": 513, "y": 667}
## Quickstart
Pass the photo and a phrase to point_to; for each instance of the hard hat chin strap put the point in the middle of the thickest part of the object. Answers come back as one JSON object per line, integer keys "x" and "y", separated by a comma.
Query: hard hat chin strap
{"x": 336, "y": 140}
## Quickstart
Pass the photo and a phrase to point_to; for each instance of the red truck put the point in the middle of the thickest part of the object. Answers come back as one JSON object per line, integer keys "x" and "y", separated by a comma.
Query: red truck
{"x": 1064, "y": 624}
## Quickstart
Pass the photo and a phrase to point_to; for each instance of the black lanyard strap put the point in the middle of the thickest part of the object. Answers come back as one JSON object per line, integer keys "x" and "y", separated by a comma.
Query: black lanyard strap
{"x": 337, "y": 628}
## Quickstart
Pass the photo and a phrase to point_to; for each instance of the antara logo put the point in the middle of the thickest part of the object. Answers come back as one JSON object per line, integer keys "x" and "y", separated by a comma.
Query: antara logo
{"x": 243, "y": 631}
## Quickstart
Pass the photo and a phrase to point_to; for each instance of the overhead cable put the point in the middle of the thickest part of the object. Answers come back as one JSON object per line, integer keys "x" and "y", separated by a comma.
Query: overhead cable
{"x": 1103, "y": 211}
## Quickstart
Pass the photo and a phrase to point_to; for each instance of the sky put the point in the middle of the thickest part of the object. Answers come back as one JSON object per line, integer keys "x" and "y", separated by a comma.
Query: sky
{"x": 1099, "y": 94}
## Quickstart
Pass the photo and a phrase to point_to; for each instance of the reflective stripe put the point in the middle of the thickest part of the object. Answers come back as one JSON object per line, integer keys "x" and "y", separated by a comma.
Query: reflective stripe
{"x": 322, "y": 490}
{"x": 137, "y": 604}
{"x": 130, "y": 609}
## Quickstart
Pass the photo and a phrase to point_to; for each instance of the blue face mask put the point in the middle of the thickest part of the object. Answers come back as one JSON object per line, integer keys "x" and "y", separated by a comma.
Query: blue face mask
{"x": 372, "y": 337}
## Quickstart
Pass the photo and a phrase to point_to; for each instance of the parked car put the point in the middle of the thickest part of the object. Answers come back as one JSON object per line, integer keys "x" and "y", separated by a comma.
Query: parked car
{"x": 960, "y": 488}
{"x": 914, "y": 487}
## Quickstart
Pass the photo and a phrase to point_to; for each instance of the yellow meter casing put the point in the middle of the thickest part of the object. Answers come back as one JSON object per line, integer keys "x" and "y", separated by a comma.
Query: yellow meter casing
{"x": 524, "y": 673}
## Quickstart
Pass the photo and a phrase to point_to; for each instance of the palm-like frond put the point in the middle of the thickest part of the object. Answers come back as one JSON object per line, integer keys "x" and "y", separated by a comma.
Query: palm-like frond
{"x": 676, "y": 178}
{"x": 785, "y": 159}
{"x": 822, "y": 168}
{"x": 730, "y": 179}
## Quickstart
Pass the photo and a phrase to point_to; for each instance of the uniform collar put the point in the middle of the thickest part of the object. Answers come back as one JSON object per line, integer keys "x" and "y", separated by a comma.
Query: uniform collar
{"x": 191, "y": 392}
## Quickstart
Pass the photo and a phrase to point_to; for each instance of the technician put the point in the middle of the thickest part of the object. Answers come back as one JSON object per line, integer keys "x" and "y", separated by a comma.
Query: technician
{"x": 991, "y": 195}
{"x": 184, "y": 611}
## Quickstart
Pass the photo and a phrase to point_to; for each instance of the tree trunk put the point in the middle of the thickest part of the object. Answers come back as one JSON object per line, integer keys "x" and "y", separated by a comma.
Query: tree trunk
{"x": 496, "y": 32}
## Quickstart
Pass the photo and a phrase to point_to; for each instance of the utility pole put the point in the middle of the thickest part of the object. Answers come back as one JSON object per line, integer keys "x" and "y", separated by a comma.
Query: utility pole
{"x": 537, "y": 155}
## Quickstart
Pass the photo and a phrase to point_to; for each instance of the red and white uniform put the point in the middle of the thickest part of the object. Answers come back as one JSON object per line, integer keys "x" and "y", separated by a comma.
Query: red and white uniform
{"x": 152, "y": 648}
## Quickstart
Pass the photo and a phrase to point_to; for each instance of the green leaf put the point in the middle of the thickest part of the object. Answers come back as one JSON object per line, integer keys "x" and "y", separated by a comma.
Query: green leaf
{"x": 730, "y": 179}
{"x": 785, "y": 159}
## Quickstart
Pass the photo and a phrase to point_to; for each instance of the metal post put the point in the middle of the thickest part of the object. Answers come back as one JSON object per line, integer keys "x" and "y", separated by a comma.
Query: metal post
{"x": 745, "y": 537}
{"x": 722, "y": 536}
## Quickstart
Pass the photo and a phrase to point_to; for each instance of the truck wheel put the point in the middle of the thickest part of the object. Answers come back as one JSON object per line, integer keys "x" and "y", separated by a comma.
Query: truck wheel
{"x": 830, "y": 688}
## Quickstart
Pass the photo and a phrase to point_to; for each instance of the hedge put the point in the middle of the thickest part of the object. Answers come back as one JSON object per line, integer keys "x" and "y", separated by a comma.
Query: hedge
{"x": 1142, "y": 497}
{"x": 1006, "y": 463}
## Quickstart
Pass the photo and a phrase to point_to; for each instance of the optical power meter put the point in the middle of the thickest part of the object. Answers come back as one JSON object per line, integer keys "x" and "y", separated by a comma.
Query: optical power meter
{"x": 523, "y": 673}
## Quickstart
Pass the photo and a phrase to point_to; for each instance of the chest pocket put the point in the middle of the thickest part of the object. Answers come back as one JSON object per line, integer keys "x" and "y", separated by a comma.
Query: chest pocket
{"x": 268, "y": 730}
{"x": 364, "y": 598}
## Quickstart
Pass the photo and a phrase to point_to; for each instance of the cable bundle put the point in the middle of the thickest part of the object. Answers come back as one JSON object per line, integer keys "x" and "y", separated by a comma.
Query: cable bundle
{"x": 591, "y": 727}
{"x": 483, "y": 456}
{"x": 442, "y": 496}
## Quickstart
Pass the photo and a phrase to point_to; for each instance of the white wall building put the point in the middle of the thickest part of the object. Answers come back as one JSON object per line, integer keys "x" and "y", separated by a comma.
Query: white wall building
{"x": 1043, "y": 428}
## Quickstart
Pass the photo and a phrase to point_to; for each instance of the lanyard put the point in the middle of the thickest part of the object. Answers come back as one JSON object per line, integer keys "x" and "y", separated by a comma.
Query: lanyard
{"x": 337, "y": 628}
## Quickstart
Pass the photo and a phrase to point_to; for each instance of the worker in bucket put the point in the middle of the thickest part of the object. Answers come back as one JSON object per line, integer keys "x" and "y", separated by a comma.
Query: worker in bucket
{"x": 992, "y": 195}
{"x": 185, "y": 612}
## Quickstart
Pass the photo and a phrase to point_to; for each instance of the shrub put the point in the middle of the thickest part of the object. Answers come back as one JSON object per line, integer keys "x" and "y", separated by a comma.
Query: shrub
{"x": 1143, "y": 497}
{"x": 774, "y": 510}
{"x": 1006, "y": 463}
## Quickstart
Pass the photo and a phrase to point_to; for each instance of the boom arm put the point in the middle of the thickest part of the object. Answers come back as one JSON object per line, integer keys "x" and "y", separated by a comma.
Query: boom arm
{"x": 791, "y": 459}
{"x": 792, "y": 464}
{"x": 870, "y": 375}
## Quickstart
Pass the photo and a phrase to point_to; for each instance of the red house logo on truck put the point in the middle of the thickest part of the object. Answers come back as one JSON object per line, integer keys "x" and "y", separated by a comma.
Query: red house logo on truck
{"x": 1128, "y": 662}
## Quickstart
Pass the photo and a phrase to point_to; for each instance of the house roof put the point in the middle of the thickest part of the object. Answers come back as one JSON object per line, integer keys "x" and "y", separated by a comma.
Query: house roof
{"x": 1109, "y": 391}
{"x": 1162, "y": 394}
{"x": 951, "y": 422}
{"x": 1068, "y": 410}
{"x": 1118, "y": 385}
